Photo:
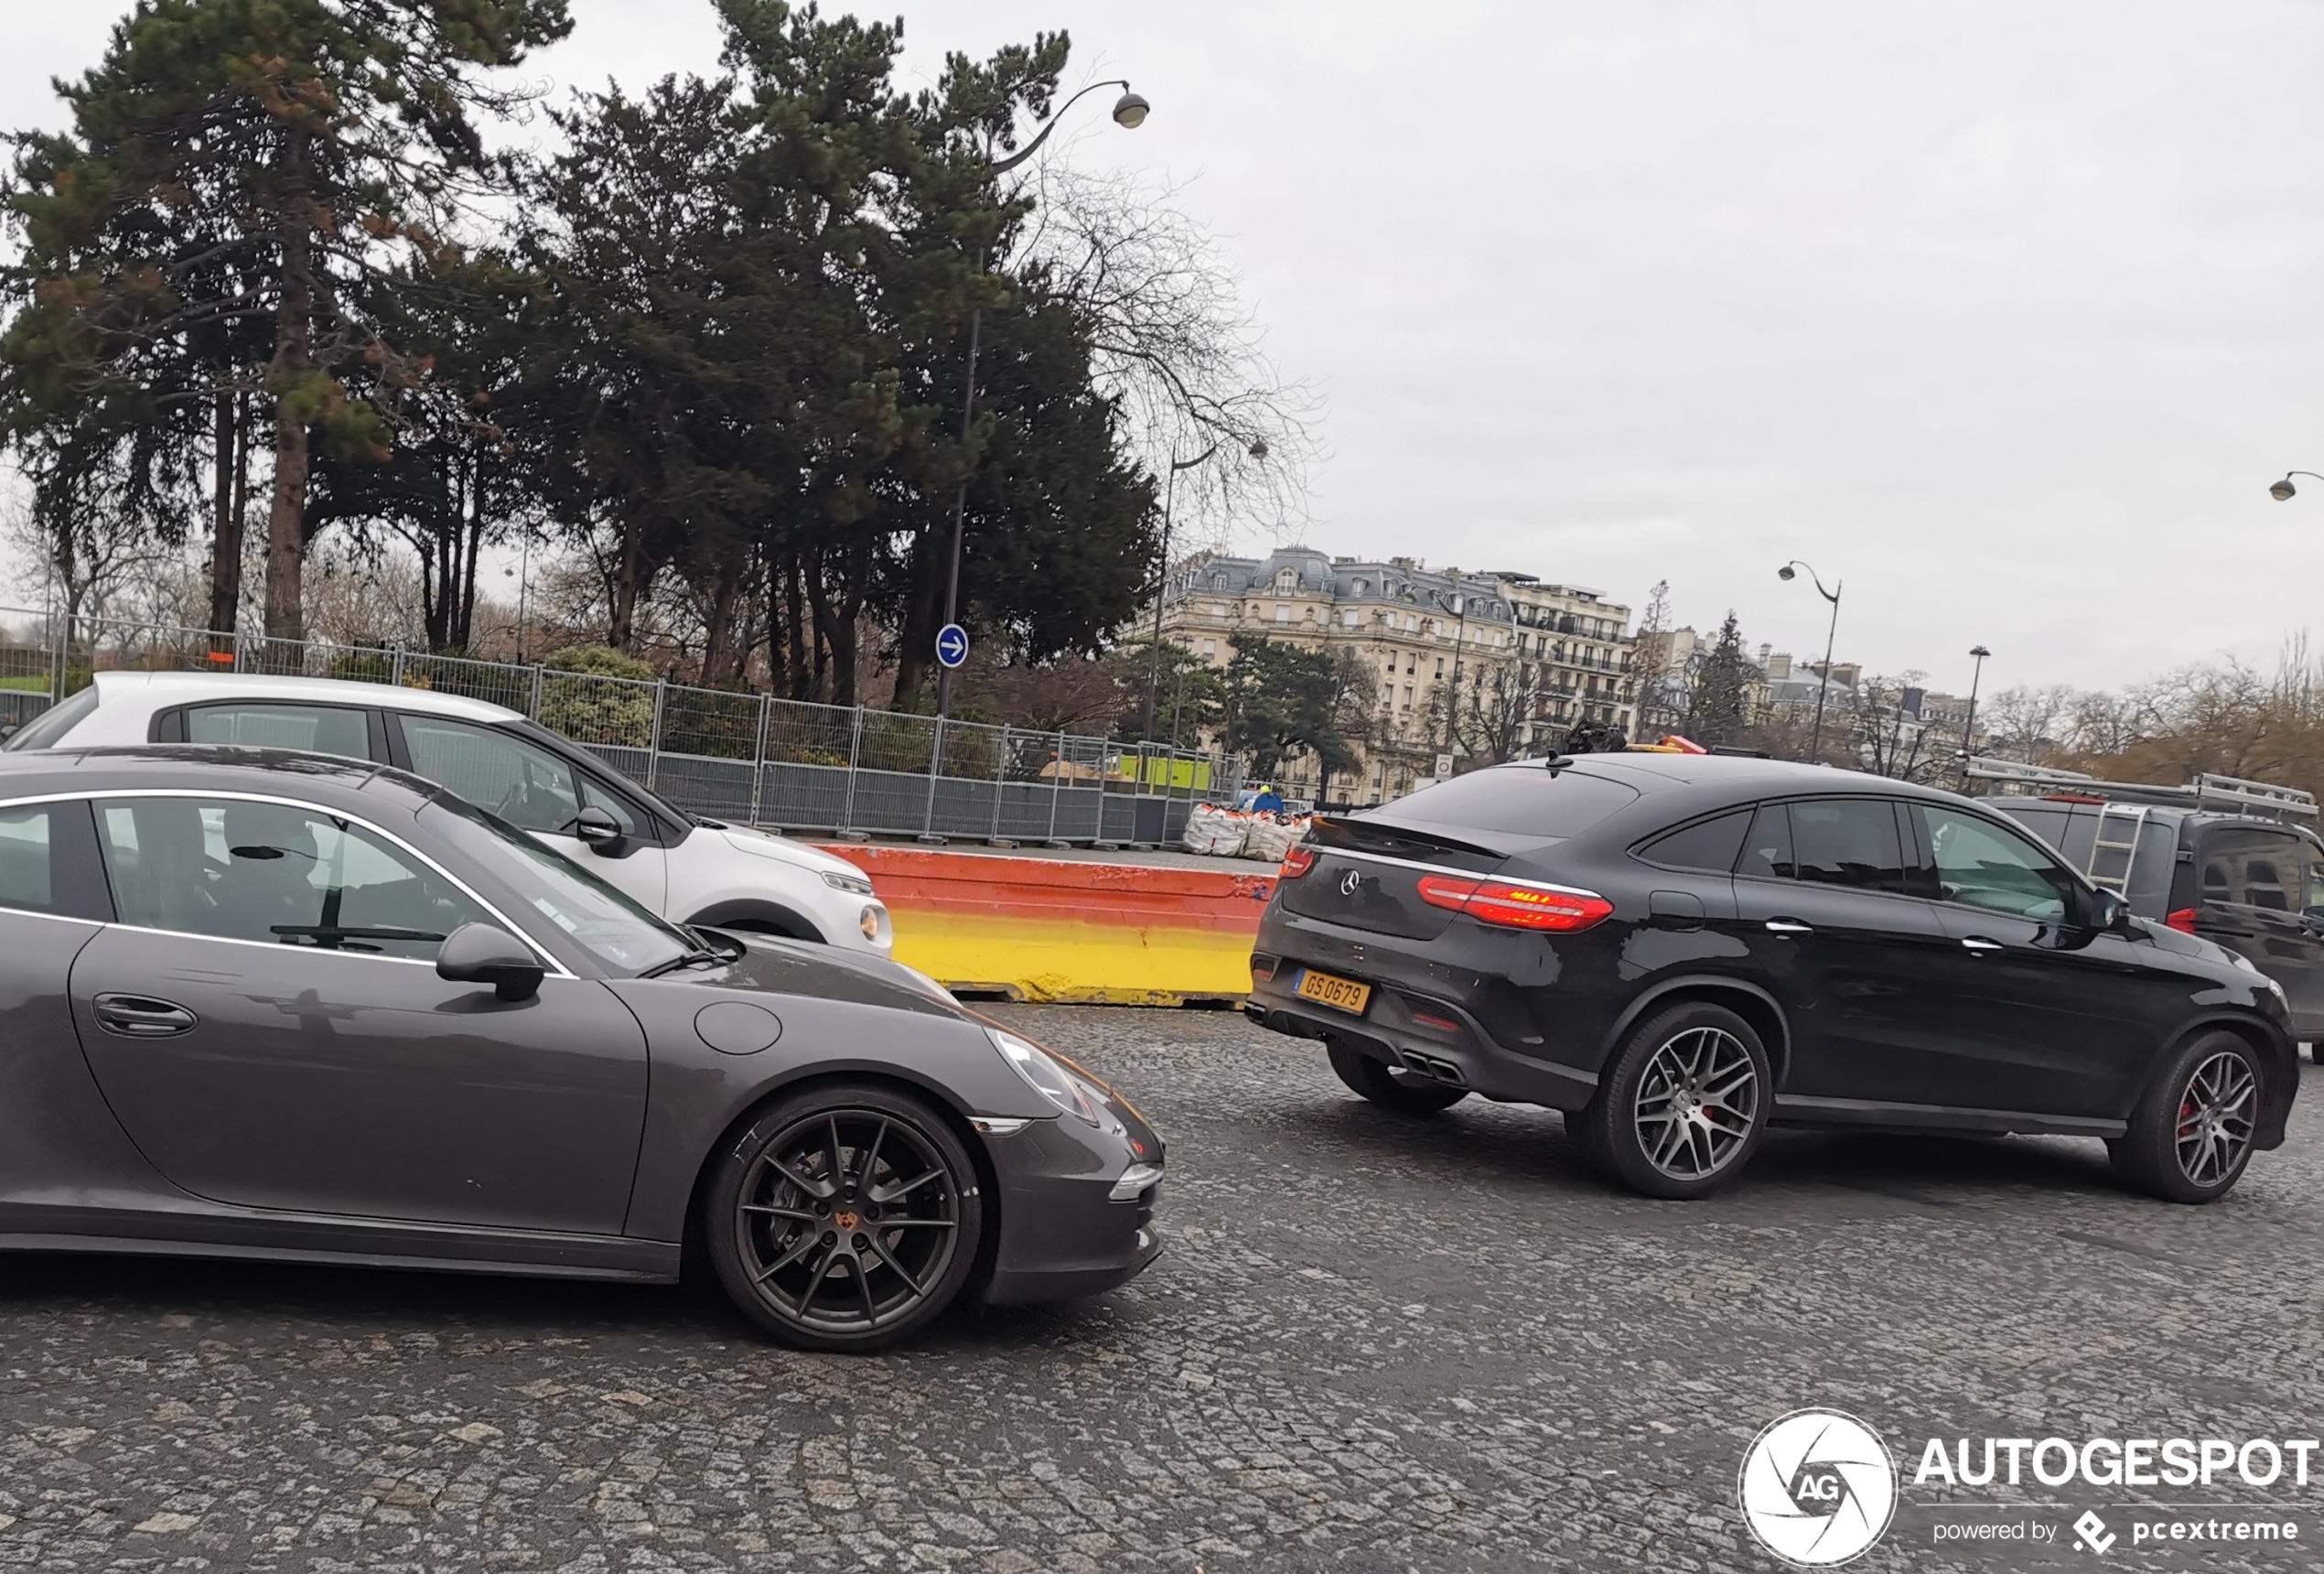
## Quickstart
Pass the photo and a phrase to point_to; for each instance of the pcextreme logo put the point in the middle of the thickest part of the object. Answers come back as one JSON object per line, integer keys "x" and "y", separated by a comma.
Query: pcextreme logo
{"x": 1817, "y": 1487}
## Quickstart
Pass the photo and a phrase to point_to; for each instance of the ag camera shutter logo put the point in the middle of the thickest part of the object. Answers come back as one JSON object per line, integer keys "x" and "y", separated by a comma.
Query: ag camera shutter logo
{"x": 1817, "y": 1487}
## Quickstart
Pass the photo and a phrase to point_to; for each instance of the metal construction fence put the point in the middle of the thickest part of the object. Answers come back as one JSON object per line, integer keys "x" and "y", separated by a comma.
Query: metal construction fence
{"x": 750, "y": 758}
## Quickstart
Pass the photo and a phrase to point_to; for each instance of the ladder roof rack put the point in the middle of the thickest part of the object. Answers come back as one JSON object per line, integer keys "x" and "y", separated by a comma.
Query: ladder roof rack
{"x": 2227, "y": 794}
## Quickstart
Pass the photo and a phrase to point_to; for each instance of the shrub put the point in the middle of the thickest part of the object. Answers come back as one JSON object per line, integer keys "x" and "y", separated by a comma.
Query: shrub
{"x": 597, "y": 695}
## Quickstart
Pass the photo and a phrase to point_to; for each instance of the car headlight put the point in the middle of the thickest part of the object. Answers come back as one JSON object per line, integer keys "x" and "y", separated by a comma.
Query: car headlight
{"x": 867, "y": 921}
{"x": 853, "y": 884}
{"x": 1048, "y": 1077}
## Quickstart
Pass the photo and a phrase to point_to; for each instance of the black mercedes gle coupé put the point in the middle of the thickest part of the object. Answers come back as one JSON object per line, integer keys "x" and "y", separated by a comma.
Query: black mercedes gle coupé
{"x": 1679, "y": 950}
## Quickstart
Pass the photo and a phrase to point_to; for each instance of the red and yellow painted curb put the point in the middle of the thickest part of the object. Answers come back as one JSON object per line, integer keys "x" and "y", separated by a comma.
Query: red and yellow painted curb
{"x": 1059, "y": 930}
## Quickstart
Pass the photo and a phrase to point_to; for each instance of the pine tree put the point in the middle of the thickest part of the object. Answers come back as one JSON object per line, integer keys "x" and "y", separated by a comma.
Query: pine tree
{"x": 236, "y": 171}
{"x": 1721, "y": 708}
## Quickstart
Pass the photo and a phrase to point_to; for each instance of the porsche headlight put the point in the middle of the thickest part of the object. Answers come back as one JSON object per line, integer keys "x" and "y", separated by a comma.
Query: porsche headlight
{"x": 1048, "y": 1077}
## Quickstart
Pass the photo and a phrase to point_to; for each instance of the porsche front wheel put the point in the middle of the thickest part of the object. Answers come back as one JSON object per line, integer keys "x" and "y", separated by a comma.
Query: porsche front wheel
{"x": 845, "y": 1218}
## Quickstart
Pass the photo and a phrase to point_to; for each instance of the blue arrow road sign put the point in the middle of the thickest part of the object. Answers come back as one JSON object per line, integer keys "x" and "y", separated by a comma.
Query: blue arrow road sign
{"x": 952, "y": 644}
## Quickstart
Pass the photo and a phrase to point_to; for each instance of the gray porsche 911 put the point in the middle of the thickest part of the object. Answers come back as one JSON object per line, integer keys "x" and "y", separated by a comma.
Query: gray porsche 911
{"x": 260, "y": 1004}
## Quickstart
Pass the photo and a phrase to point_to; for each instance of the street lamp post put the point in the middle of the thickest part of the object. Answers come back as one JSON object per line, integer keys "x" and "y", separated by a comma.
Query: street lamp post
{"x": 1129, "y": 112}
{"x": 1169, "y": 492}
{"x": 1459, "y": 608}
{"x": 2283, "y": 491}
{"x": 1969, "y": 728}
{"x": 1824, "y": 685}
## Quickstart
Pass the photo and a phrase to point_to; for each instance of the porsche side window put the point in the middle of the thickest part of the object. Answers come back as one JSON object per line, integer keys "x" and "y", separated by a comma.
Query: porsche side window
{"x": 49, "y": 862}
{"x": 234, "y": 870}
{"x": 25, "y": 879}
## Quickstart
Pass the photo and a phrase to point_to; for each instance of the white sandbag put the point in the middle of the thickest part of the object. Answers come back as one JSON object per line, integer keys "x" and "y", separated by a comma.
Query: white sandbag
{"x": 1269, "y": 840}
{"x": 1215, "y": 831}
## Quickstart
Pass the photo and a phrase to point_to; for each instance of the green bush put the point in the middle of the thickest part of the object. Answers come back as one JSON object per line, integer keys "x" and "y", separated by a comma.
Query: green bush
{"x": 579, "y": 700}
{"x": 363, "y": 667}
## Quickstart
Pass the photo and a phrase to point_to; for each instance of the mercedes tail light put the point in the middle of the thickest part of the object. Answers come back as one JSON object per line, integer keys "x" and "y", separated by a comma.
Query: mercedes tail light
{"x": 1297, "y": 862}
{"x": 2182, "y": 921}
{"x": 1511, "y": 906}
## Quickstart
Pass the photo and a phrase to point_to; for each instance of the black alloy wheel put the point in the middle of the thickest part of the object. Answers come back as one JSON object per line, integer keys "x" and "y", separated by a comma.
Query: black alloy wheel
{"x": 2190, "y": 1136}
{"x": 1392, "y": 1087}
{"x": 1681, "y": 1102}
{"x": 845, "y": 1218}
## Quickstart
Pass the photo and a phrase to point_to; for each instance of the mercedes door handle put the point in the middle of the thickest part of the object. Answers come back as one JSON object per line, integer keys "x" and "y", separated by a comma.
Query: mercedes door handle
{"x": 141, "y": 1017}
{"x": 1979, "y": 945}
{"x": 1788, "y": 926}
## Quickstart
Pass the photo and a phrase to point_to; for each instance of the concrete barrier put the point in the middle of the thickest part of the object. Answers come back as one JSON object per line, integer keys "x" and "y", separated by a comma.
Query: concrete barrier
{"x": 1054, "y": 929}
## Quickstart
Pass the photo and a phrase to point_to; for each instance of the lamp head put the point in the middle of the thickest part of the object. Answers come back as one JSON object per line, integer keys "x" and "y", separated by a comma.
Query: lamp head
{"x": 1979, "y": 652}
{"x": 1786, "y": 572}
{"x": 1129, "y": 110}
{"x": 2281, "y": 490}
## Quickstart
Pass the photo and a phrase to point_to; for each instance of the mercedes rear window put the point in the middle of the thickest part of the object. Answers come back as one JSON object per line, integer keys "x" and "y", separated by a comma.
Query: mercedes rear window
{"x": 1525, "y": 800}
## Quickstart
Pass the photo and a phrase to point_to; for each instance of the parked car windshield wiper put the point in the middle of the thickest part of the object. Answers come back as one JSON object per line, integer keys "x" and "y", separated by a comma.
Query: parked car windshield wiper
{"x": 729, "y": 948}
{"x": 692, "y": 958}
{"x": 329, "y": 934}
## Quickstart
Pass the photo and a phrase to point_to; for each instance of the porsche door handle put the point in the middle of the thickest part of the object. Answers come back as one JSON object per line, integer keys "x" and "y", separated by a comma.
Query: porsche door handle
{"x": 1788, "y": 926}
{"x": 1978, "y": 946}
{"x": 141, "y": 1017}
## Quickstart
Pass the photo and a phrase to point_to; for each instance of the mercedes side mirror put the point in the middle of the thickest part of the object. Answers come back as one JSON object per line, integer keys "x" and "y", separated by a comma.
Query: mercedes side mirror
{"x": 486, "y": 954}
{"x": 598, "y": 831}
{"x": 2109, "y": 913}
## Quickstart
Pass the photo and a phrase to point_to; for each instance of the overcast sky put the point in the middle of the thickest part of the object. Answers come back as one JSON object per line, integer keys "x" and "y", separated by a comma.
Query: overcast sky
{"x": 2003, "y": 313}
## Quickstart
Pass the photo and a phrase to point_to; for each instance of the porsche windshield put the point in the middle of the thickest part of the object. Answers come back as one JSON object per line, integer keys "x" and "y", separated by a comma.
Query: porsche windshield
{"x": 609, "y": 925}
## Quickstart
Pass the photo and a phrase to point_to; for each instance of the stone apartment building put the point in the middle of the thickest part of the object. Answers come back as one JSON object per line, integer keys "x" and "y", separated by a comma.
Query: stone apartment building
{"x": 1544, "y": 657}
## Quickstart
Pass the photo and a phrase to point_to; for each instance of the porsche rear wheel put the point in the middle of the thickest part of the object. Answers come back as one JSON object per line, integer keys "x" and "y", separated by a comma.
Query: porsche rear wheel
{"x": 845, "y": 1218}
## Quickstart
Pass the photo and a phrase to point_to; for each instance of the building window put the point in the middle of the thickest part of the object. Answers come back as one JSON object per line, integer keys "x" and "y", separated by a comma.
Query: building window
{"x": 1411, "y": 664}
{"x": 1407, "y": 696}
{"x": 1209, "y": 650}
{"x": 1217, "y": 608}
{"x": 1440, "y": 666}
{"x": 1286, "y": 581}
{"x": 1391, "y": 663}
{"x": 1347, "y": 617}
{"x": 1283, "y": 614}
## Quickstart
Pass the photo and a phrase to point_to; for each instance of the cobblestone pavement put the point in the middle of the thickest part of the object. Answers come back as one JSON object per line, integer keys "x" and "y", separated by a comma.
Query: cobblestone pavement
{"x": 1377, "y": 1343}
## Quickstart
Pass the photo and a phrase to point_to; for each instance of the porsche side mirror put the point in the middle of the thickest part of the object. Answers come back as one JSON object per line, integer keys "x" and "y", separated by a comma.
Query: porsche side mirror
{"x": 598, "y": 831}
{"x": 486, "y": 954}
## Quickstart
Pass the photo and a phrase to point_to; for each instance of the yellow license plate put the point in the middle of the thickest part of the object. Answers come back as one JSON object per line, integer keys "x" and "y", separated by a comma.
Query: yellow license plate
{"x": 1339, "y": 994}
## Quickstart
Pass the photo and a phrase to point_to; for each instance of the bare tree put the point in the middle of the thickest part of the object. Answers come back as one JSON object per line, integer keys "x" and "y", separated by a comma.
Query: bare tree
{"x": 1886, "y": 739}
{"x": 2027, "y": 723}
{"x": 1179, "y": 350}
{"x": 1651, "y": 662}
{"x": 1496, "y": 708}
{"x": 77, "y": 561}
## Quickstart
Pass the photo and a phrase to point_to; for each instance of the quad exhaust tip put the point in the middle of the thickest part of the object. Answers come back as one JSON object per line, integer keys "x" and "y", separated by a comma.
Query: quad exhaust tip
{"x": 1432, "y": 1068}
